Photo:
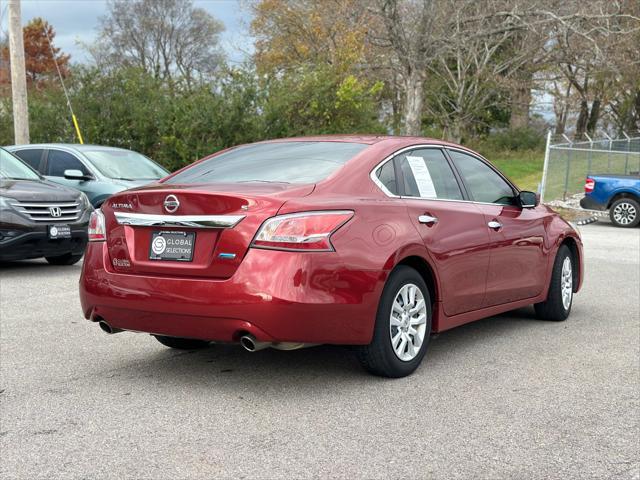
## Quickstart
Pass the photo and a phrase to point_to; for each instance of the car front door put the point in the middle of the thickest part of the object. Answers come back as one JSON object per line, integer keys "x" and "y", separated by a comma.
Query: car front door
{"x": 57, "y": 161}
{"x": 518, "y": 261}
{"x": 452, "y": 229}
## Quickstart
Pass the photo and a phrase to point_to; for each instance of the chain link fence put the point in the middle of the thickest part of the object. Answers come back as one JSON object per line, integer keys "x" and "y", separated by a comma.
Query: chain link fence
{"x": 567, "y": 164}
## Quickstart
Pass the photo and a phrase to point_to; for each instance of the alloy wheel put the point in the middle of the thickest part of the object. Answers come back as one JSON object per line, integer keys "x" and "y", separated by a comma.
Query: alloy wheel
{"x": 408, "y": 322}
{"x": 624, "y": 213}
{"x": 566, "y": 283}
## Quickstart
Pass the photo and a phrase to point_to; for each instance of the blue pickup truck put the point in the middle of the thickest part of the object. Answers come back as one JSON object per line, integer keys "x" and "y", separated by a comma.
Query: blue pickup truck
{"x": 620, "y": 194}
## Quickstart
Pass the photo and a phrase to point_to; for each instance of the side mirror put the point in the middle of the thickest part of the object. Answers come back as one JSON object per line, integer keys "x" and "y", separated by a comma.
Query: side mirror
{"x": 528, "y": 199}
{"x": 76, "y": 175}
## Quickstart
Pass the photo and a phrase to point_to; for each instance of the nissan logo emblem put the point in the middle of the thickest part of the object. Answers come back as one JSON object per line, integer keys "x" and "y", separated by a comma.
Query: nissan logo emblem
{"x": 171, "y": 203}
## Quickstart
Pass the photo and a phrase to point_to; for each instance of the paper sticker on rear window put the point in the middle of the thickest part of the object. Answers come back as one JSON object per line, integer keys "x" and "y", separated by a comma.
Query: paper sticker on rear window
{"x": 422, "y": 177}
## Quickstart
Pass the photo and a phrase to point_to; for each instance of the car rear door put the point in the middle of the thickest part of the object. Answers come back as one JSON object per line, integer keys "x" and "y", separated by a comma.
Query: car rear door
{"x": 34, "y": 157}
{"x": 518, "y": 261}
{"x": 452, "y": 229}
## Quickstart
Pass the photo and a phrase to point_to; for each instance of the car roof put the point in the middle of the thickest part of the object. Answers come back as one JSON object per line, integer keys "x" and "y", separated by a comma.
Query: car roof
{"x": 366, "y": 139}
{"x": 73, "y": 146}
{"x": 354, "y": 138}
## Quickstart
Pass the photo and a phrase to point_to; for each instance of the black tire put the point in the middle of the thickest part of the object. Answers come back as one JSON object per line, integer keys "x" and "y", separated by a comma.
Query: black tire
{"x": 553, "y": 308}
{"x": 625, "y": 210}
{"x": 379, "y": 357}
{"x": 182, "y": 343}
{"x": 67, "y": 259}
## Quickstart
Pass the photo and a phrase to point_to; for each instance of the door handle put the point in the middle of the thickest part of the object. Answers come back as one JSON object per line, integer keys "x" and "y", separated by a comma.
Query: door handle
{"x": 494, "y": 224}
{"x": 427, "y": 219}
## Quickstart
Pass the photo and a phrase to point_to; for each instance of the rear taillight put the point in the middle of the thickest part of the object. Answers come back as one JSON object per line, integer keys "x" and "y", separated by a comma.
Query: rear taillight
{"x": 589, "y": 185}
{"x": 308, "y": 231}
{"x": 97, "y": 232}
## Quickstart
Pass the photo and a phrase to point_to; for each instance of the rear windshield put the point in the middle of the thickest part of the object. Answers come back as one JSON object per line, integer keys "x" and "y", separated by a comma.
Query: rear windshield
{"x": 283, "y": 162}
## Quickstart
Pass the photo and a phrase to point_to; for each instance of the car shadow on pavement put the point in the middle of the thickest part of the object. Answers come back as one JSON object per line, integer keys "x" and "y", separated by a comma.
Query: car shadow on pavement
{"x": 229, "y": 367}
{"x": 37, "y": 266}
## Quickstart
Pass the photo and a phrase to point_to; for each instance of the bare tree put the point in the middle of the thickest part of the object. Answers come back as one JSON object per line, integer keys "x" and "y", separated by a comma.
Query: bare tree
{"x": 167, "y": 38}
{"x": 466, "y": 39}
{"x": 413, "y": 32}
{"x": 593, "y": 43}
{"x": 484, "y": 58}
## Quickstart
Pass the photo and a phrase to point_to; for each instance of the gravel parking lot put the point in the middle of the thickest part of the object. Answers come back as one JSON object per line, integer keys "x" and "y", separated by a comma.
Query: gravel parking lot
{"x": 509, "y": 396}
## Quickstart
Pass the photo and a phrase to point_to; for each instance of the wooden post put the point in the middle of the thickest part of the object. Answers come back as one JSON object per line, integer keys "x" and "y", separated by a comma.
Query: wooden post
{"x": 18, "y": 76}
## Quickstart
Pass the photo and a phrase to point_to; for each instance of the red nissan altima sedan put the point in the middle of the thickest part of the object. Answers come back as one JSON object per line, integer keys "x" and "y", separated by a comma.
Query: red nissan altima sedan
{"x": 376, "y": 242}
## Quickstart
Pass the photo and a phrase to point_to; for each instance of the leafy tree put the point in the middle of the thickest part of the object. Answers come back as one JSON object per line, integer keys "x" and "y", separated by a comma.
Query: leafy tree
{"x": 317, "y": 101}
{"x": 40, "y": 56}
{"x": 294, "y": 33}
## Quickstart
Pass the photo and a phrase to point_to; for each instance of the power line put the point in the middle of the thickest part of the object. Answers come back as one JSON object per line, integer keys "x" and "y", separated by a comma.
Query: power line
{"x": 64, "y": 88}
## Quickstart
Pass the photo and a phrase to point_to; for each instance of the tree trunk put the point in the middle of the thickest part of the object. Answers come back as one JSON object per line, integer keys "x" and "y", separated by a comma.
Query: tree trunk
{"x": 561, "y": 109}
{"x": 594, "y": 116}
{"x": 412, "y": 121}
{"x": 520, "y": 102}
{"x": 561, "y": 121}
{"x": 455, "y": 131}
{"x": 583, "y": 118}
{"x": 633, "y": 123}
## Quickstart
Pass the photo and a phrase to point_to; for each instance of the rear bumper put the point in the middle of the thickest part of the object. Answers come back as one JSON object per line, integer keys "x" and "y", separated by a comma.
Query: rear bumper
{"x": 275, "y": 296}
{"x": 35, "y": 243}
{"x": 589, "y": 203}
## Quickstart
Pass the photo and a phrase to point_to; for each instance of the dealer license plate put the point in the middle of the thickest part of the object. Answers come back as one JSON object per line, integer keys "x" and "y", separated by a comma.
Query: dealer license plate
{"x": 175, "y": 246}
{"x": 59, "y": 231}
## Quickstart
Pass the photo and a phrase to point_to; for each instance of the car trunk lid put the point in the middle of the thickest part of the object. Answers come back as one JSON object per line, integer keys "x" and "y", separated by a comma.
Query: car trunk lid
{"x": 216, "y": 222}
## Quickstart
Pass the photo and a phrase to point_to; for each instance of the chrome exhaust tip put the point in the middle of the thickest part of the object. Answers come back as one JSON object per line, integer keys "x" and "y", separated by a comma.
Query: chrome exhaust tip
{"x": 250, "y": 344}
{"x": 105, "y": 327}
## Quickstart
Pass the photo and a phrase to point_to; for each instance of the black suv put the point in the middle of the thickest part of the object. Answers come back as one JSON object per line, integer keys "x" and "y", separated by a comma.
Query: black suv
{"x": 39, "y": 218}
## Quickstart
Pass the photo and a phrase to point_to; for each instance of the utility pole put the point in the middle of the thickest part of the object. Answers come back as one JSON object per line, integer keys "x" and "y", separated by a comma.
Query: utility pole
{"x": 18, "y": 76}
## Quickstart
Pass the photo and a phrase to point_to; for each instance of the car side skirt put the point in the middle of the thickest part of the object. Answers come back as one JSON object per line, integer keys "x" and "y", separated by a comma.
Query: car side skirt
{"x": 442, "y": 322}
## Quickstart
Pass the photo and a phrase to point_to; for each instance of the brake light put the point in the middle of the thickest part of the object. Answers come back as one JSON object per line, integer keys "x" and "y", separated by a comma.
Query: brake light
{"x": 308, "y": 231}
{"x": 589, "y": 185}
{"x": 97, "y": 232}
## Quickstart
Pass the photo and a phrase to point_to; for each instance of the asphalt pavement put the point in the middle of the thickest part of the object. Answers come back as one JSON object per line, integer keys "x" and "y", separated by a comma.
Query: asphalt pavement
{"x": 505, "y": 397}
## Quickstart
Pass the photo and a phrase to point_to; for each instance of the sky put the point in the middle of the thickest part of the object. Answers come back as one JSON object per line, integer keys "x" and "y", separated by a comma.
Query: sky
{"x": 76, "y": 21}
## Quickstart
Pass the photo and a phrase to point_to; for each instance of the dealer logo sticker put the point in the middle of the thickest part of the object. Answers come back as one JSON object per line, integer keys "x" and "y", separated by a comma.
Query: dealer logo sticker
{"x": 159, "y": 245}
{"x": 121, "y": 262}
{"x": 53, "y": 232}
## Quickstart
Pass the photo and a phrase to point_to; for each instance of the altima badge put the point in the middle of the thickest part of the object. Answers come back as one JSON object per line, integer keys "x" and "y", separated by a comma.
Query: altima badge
{"x": 171, "y": 203}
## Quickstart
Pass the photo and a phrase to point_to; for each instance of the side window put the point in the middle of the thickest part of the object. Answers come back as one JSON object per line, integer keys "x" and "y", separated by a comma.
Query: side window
{"x": 59, "y": 161}
{"x": 426, "y": 173}
{"x": 31, "y": 157}
{"x": 387, "y": 176}
{"x": 483, "y": 183}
